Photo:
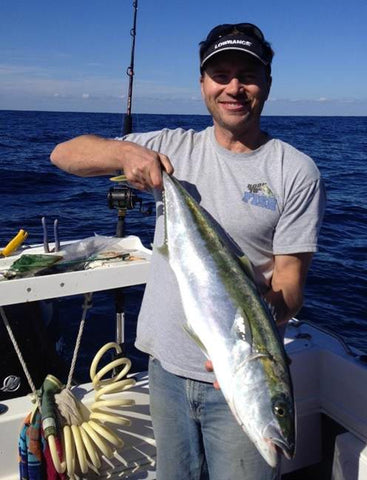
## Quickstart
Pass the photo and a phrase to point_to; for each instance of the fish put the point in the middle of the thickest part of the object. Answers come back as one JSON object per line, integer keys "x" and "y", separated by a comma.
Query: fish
{"x": 228, "y": 318}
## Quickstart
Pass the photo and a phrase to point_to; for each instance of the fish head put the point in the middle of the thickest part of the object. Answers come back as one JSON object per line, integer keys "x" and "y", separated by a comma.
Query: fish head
{"x": 265, "y": 410}
{"x": 280, "y": 431}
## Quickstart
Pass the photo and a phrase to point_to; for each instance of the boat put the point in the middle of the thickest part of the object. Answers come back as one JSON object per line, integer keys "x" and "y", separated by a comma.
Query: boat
{"x": 138, "y": 453}
{"x": 329, "y": 380}
{"x": 329, "y": 377}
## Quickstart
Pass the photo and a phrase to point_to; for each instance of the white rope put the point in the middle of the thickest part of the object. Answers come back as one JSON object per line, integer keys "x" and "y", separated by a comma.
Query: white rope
{"x": 86, "y": 306}
{"x": 20, "y": 357}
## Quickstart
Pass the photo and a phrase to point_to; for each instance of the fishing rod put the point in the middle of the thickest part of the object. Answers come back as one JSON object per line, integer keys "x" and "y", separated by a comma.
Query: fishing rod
{"x": 128, "y": 121}
{"x": 122, "y": 196}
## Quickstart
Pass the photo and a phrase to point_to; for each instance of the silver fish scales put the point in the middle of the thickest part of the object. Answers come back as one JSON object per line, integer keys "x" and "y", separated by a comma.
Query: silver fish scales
{"x": 229, "y": 320}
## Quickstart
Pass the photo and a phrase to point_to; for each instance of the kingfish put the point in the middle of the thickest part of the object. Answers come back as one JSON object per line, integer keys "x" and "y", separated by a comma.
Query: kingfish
{"x": 230, "y": 321}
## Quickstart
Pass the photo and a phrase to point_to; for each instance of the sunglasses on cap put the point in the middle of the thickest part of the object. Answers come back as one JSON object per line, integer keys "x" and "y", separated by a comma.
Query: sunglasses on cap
{"x": 228, "y": 28}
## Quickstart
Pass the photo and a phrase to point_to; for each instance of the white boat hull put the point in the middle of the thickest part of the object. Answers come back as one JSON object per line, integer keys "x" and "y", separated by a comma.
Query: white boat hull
{"x": 327, "y": 381}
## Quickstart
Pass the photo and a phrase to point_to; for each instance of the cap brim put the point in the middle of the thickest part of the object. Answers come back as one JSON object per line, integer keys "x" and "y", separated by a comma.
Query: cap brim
{"x": 226, "y": 49}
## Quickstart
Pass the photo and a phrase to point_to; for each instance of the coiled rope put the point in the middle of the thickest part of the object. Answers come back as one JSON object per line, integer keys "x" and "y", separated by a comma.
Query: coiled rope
{"x": 85, "y": 438}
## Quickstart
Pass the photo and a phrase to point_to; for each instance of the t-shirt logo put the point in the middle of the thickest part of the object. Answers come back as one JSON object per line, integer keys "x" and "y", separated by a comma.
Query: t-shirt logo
{"x": 260, "y": 195}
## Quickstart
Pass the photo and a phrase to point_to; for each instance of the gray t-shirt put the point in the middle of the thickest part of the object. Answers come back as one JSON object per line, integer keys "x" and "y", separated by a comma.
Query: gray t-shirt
{"x": 269, "y": 201}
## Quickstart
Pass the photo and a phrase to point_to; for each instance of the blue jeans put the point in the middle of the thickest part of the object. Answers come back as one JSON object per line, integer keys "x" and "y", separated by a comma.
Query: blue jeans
{"x": 197, "y": 436}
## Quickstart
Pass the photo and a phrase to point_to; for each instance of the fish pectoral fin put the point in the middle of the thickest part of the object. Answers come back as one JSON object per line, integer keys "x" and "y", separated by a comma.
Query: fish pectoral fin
{"x": 256, "y": 354}
{"x": 190, "y": 331}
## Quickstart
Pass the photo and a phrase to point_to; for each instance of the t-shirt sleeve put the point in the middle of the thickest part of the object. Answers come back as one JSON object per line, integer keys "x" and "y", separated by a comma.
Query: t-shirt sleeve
{"x": 164, "y": 141}
{"x": 146, "y": 139}
{"x": 299, "y": 225}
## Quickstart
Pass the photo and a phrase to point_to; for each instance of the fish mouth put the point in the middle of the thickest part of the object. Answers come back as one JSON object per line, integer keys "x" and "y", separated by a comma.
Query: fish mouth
{"x": 283, "y": 447}
{"x": 274, "y": 437}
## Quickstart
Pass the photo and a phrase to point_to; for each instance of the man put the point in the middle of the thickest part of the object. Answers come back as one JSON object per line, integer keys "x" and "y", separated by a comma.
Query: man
{"x": 264, "y": 193}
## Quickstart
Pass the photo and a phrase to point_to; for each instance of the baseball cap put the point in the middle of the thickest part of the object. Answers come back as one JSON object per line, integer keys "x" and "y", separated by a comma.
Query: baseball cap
{"x": 244, "y": 37}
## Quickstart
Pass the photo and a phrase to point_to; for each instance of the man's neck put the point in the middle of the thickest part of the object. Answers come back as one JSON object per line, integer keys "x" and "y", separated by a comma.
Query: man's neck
{"x": 241, "y": 143}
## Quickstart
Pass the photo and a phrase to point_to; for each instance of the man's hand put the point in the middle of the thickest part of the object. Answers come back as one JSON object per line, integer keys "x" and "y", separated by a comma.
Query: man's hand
{"x": 209, "y": 368}
{"x": 143, "y": 167}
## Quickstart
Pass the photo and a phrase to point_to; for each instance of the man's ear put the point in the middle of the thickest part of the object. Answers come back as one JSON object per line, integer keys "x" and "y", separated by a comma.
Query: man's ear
{"x": 201, "y": 80}
{"x": 270, "y": 81}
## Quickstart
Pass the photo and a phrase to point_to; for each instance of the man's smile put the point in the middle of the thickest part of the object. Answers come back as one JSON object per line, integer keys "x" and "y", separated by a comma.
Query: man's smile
{"x": 234, "y": 105}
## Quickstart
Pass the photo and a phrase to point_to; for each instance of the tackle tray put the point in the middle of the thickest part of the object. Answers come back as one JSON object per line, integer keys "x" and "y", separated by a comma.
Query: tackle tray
{"x": 109, "y": 276}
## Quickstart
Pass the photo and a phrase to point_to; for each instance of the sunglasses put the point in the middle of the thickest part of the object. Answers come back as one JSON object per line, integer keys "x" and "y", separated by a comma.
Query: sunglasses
{"x": 227, "y": 28}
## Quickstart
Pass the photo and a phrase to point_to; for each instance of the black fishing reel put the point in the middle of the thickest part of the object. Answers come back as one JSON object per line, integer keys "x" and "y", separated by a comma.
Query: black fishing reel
{"x": 122, "y": 197}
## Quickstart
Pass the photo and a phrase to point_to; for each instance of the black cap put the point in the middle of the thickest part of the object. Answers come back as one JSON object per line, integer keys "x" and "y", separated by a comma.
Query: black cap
{"x": 243, "y": 37}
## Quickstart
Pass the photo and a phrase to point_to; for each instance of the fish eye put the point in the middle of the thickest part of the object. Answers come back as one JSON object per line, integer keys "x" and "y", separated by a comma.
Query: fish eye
{"x": 280, "y": 409}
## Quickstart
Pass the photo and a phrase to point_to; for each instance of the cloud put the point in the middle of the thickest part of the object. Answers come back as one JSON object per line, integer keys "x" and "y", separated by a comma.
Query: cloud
{"x": 32, "y": 87}
{"x": 318, "y": 106}
{"x": 18, "y": 70}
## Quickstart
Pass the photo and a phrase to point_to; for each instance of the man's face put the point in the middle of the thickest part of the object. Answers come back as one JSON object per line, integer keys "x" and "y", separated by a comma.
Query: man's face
{"x": 235, "y": 87}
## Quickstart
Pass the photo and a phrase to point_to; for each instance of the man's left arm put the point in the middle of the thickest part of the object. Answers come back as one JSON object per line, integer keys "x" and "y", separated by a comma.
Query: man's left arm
{"x": 287, "y": 285}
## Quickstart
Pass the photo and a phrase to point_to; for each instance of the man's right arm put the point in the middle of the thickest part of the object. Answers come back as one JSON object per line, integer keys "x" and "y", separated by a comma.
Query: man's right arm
{"x": 90, "y": 155}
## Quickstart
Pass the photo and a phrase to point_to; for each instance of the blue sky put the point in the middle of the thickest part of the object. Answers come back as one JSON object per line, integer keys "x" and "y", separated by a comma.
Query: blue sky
{"x": 72, "y": 55}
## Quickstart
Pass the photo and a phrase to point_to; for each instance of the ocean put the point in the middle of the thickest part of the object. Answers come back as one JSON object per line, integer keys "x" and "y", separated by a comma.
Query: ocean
{"x": 336, "y": 290}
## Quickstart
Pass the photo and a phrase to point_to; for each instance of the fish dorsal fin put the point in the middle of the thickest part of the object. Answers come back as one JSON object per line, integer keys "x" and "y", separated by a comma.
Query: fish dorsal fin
{"x": 241, "y": 327}
{"x": 192, "y": 334}
{"x": 247, "y": 267}
{"x": 271, "y": 309}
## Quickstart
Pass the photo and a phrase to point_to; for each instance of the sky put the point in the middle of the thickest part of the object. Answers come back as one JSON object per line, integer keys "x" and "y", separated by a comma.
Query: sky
{"x": 73, "y": 55}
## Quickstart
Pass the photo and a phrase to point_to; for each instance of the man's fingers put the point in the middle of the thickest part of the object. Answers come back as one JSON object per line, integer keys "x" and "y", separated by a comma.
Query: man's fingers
{"x": 156, "y": 173}
{"x": 209, "y": 368}
{"x": 166, "y": 164}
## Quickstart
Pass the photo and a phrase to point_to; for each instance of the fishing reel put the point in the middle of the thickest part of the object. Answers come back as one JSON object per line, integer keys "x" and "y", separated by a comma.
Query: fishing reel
{"x": 124, "y": 198}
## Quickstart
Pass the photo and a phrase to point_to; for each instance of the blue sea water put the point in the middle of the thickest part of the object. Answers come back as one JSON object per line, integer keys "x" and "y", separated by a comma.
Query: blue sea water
{"x": 335, "y": 295}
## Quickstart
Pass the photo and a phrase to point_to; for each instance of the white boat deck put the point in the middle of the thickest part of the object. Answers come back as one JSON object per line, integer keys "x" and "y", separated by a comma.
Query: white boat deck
{"x": 328, "y": 380}
{"x": 136, "y": 459}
